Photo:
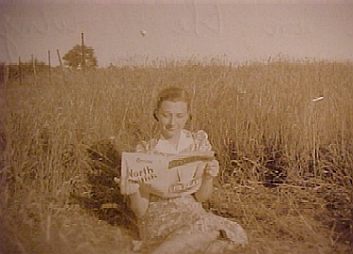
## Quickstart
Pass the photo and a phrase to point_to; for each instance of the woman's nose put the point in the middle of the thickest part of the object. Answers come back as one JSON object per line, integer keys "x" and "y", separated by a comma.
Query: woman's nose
{"x": 172, "y": 120}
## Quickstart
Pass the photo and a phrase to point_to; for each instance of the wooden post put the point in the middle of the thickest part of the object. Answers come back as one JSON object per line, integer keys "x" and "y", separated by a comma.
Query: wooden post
{"x": 20, "y": 69}
{"x": 6, "y": 71}
{"x": 49, "y": 67}
{"x": 83, "y": 58}
{"x": 2, "y": 76}
{"x": 34, "y": 69}
{"x": 59, "y": 57}
{"x": 61, "y": 65}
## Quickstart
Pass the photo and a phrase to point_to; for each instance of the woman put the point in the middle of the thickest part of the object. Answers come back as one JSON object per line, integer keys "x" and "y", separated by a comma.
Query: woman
{"x": 179, "y": 224}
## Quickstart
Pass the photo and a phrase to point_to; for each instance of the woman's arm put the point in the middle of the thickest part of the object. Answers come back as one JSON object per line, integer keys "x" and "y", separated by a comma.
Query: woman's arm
{"x": 139, "y": 199}
{"x": 139, "y": 202}
{"x": 206, "y": 188}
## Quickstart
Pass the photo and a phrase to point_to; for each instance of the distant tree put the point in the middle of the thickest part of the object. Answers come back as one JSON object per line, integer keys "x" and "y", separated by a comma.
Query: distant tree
{"x": 73, "y": 58}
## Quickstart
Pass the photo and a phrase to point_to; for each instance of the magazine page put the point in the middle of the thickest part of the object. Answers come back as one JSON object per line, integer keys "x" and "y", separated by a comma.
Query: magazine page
{"x": 164, "y": 175}
{"x": 190, "y": 157}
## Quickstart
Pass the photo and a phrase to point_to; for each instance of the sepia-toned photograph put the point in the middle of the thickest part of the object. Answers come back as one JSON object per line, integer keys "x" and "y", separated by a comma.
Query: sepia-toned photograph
{"x": 176, "y": 126}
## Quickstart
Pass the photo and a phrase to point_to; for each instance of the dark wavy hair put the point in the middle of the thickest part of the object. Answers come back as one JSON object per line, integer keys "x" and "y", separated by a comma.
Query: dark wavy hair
{"x": 172, "y": 94}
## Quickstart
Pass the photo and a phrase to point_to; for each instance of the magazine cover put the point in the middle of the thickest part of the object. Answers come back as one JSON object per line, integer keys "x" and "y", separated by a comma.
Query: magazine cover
{"x": 164, "y": 175}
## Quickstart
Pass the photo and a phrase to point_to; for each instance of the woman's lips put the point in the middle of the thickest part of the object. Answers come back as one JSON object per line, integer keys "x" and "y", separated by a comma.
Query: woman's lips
{"x": 172, "y": 129}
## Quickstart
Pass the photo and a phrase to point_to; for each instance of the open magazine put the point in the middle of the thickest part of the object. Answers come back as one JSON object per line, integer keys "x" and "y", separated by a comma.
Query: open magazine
{"x": 164, "y": 175}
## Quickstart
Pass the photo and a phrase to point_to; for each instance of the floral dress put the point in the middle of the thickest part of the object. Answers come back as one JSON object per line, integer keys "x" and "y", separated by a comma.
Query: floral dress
{"x": 182, "y": 214}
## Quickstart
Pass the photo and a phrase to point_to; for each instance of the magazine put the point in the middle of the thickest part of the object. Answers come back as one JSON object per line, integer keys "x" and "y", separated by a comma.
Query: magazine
{"x": 165, "y": 175}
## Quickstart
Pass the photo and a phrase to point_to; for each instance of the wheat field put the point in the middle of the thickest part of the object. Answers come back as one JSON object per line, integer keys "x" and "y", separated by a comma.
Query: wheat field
{"x": 282, "y": 131}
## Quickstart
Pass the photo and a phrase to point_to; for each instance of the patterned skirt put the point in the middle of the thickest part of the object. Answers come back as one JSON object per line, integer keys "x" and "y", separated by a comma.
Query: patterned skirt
{"x": 185, "y": 216}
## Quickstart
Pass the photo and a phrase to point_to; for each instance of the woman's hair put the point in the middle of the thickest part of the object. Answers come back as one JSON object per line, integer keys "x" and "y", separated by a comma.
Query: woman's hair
{"x": 172, "y": 94}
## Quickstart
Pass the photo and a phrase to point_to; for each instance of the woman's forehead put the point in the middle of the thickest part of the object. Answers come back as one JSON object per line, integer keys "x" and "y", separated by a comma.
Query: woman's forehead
{"x": 174, "y": 105}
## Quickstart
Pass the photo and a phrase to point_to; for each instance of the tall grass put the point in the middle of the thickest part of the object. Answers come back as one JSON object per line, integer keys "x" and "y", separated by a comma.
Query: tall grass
{"x": 261, "y": 118}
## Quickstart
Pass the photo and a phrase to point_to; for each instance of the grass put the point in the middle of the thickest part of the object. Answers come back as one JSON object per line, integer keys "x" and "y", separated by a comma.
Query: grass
{"x": 286, "y": 160}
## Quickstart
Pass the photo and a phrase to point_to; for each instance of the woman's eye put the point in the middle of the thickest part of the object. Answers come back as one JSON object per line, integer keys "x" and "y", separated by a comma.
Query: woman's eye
{"x": 180, "y": 115}
{"x": 168, "y": 115}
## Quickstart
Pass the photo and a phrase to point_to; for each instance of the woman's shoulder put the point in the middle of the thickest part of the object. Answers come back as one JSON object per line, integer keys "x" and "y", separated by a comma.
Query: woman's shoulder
{"x": 146, "y": 146}
{"x": 199, "y": 134}
{"x": 201, "y": 140}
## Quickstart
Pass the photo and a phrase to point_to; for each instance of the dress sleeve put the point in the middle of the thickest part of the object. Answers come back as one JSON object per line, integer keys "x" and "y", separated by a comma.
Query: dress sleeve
{"x": 141, "y": 147}
{"x": 201, "y": 141}
{"x": 146, "y": 146}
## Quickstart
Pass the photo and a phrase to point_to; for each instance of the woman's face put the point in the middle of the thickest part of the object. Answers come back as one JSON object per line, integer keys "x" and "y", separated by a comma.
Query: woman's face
{"x": 172, "y": 116}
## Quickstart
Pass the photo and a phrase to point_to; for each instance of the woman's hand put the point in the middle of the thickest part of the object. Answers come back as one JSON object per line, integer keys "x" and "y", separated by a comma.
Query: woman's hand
{"x": 205, "y": 190}
{"x": 138, "y": 197}
{"x": 212, "y": 169}
{"x": 132, "y": 187}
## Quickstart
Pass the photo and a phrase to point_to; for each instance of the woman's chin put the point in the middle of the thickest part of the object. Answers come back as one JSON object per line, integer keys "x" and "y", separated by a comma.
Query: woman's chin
{"x": 171, "y": 133}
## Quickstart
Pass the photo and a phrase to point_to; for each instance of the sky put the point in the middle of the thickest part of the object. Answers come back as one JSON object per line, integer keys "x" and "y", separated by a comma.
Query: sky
{"x": 238, "y": 31}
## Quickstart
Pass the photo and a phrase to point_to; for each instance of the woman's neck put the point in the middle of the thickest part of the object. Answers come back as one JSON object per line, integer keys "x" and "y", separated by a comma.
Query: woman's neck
{"x": 174, "y": 140}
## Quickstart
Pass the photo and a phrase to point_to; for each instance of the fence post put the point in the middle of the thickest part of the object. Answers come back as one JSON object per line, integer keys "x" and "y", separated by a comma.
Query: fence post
{"x": 20, "y": 69}
{"x": 49, "y": 67}
{"x": 83, "y": 58}
{"x": 61, "y": 65}
{"x": 3, "y": 73}
{"x": 7, "y": 73}
{"x": 34, "y": 69}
